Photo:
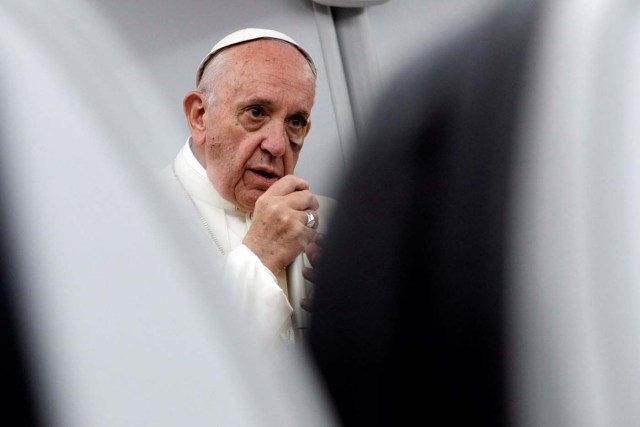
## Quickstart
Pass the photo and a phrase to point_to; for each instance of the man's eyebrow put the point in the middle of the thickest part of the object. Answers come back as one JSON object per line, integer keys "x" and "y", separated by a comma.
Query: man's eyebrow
{"x": 259, "y": 101}
{"x": 267, "y": 103}
{"x": 303, "y": 113}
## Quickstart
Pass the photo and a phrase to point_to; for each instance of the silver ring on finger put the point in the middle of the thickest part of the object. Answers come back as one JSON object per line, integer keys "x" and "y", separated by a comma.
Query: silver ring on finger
{"x": 312, "y": 219}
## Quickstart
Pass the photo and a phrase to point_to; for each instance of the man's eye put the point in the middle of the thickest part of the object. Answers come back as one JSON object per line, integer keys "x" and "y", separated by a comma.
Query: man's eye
{"x": 298, "y": 121}
{"x": 255, "y": 112}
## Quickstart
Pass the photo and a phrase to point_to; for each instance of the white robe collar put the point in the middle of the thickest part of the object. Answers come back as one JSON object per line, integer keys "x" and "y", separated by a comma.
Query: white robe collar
{"x": 200, "y": 187}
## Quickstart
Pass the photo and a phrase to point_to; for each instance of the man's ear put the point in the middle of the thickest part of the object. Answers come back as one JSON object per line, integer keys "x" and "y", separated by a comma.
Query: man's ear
{"x": 195, "y": 105}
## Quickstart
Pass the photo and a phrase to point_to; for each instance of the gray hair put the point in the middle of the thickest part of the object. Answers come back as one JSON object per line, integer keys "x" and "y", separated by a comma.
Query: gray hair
{"x": 211, "y": 74}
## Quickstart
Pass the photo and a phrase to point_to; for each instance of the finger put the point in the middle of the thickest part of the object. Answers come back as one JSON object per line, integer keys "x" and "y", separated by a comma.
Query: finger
{"x": 309, "y": 274}
{"x": 302, "y": 200}
{"x": 311, "y": 220}
{"x": 313, "y": 251}
{"x": 319, "y": 239}
{"x": 286, "y": 185}
{"x": 306, "y": 304}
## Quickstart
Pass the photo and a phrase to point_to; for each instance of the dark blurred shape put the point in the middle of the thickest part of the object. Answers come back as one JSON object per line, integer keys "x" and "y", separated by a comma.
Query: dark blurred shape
{"x": 18, "y": 388}
{"x": 408, "y": 324}
{"x": 17, "y": 385}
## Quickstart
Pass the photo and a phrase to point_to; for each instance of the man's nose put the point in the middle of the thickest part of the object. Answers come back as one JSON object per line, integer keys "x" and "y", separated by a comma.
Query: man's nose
{"x": 275, "y": 139}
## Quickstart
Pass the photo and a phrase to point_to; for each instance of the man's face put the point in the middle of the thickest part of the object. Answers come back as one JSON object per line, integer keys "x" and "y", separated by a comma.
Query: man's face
{"x": 259, "y": 118}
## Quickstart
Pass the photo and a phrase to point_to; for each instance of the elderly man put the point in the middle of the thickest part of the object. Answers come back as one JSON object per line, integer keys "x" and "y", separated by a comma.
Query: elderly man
{"x": 248, "y": 119}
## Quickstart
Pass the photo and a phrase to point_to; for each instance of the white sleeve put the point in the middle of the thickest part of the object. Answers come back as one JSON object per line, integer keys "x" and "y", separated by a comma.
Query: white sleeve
{"x": 256, "y": 288}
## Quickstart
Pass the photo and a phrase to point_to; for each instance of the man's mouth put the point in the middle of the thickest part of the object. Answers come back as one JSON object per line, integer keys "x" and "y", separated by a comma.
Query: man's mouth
{"x": 264, "y": 178}
{"x": 265, "y": 174}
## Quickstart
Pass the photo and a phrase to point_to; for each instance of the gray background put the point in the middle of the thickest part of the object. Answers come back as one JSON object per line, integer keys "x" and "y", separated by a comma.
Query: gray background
{"x": 168, "y": 39}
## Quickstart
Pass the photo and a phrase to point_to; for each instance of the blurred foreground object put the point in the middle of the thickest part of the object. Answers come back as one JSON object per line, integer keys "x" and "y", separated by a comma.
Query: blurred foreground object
{"x": 485, "y": 249}
{"x": 120, "y": 319}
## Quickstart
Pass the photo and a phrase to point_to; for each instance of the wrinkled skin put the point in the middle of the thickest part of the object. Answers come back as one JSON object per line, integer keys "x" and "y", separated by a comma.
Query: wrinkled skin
{"x": 249, "y": 141}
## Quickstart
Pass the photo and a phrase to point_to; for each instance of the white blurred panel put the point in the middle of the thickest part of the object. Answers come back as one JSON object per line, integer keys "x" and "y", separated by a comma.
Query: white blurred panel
{"x": 575, "y": 325}
{"x": 128, "y": 324}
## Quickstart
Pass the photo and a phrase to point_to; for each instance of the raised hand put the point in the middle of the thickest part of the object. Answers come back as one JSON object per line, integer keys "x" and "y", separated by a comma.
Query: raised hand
{"x": 278, "y": 231}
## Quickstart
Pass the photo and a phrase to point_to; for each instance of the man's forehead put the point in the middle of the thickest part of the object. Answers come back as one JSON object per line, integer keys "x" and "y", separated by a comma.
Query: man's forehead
{"x": 263, "y": 54}
{"x": 258, "y": 46}
{"x": 250, "y": 67}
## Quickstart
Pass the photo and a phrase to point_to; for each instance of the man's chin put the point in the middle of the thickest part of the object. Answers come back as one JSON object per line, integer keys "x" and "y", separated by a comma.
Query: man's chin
{"x": 247, "y": 201}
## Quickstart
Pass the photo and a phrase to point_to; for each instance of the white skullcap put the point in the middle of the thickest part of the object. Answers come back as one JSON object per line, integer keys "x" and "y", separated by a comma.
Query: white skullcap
{"x": 246, "y": 35}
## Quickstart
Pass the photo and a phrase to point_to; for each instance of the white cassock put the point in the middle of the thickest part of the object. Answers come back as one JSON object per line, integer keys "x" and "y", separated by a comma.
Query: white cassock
{"x": 262, "y": 296}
